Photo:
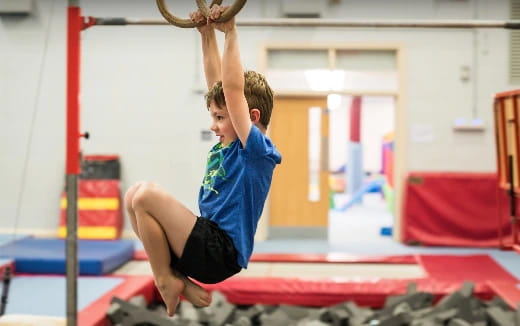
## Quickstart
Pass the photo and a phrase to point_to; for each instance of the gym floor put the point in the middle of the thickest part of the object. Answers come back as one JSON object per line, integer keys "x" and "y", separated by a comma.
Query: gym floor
{"x": 359, "y": 236}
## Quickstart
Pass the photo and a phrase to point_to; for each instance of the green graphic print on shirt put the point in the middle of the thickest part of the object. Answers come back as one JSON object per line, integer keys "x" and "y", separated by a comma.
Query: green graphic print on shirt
{"x": 214, "y": 169}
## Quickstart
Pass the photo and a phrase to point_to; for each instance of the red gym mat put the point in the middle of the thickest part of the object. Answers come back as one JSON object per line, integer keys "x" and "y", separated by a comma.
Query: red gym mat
{"x": 321, "y": 293}
{"x": 445, "y": 274}
{"x": 453, "y": 209}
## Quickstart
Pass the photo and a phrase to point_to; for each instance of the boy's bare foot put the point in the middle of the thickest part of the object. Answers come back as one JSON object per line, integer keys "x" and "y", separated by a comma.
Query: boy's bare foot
{"x": 170, "y": 288}
{"x": 196, "y": 294}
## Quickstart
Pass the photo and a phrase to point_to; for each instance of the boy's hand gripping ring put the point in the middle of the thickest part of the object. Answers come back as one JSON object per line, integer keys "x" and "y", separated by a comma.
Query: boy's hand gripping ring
{"x": 204, "y": 9}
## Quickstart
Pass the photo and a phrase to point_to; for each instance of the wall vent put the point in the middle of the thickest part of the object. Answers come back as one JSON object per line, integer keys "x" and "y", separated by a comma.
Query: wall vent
{"x": 303, "y": 8}
{"x": 16, "y": 7}
{"x": 514, "y": 46}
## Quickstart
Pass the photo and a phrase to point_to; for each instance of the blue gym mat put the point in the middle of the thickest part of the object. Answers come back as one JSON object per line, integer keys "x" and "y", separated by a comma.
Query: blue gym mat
{"x": 7, "y": 238}
{"x": 47, "y": 256}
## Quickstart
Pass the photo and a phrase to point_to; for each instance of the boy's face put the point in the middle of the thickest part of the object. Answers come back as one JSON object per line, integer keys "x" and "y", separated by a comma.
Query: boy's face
{"x": 221, "y": 124}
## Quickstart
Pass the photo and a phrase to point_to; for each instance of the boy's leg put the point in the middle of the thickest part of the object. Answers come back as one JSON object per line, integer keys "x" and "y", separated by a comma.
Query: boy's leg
{"x": 129, "y": 197}
{"x": 191, "y": 291}
{"x": 162, "y": 222}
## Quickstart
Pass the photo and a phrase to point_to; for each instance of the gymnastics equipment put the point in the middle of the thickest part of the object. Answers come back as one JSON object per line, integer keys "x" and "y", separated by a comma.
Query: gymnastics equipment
{"x": 507, "y": 137}
{"x": 73, "y": 169}
{"x": 461, "y": 307}
{"x": 204, "y": 9}
{"x": 320, "y": 22}
{"x": 77, "y": 23}
{"x": 455, "y": 209}
{"x": 357, "y": 196}
{"x": 387, "y": 154}
{"x": 47, "y": 256}
{"x": 100, "y": 214}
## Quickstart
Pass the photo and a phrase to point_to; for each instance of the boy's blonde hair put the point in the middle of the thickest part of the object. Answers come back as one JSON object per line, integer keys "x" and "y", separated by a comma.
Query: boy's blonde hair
{"x": 257, "y": 91}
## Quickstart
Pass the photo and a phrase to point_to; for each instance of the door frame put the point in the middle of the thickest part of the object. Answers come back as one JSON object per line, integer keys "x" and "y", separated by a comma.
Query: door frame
{"x": 400, "y": 149}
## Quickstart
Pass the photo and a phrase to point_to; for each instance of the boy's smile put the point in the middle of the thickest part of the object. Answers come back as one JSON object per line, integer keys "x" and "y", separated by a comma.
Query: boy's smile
{"x": 221, "y": 125}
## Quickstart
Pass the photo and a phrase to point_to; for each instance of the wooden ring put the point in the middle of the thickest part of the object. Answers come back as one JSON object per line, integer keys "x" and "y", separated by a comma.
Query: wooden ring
{"x": 180, "y": 22}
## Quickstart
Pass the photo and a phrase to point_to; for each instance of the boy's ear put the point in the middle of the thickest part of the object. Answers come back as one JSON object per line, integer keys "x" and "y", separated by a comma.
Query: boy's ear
{"x": 255, "y": 115}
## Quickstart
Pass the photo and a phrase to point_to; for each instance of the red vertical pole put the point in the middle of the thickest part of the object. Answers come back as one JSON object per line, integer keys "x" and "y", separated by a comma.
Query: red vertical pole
{"x": 74, "y": 21}
{"x": 355, "y": 120}
{"x": 73, "y": 78}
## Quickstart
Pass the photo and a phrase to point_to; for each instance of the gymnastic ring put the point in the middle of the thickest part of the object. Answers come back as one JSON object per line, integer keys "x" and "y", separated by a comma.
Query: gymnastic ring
{"x": 180, "y": 22}
{"x": 226, "y": 15}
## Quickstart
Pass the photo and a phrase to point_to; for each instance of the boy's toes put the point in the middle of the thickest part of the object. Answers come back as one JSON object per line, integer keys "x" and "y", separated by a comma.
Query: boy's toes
{"x": 204, "y": 302}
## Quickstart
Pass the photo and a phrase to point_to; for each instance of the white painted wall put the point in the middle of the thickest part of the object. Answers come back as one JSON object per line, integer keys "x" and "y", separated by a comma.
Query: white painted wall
{"x": 138, "y": 97}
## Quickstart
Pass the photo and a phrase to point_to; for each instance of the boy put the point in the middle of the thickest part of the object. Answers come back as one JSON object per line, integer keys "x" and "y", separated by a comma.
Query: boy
{"x": 219, "y": 243}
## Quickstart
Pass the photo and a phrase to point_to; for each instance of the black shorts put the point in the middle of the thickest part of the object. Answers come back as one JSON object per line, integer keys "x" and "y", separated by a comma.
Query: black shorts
{"x": 209, "y": 255}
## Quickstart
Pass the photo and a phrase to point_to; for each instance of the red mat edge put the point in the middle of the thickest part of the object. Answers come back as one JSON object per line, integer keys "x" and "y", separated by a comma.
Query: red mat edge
{"x": 293, "y": 291}
{"x": 336, "y": 258}
{"x": 472, "y": 266}
{"x": 9, "y": 264}
{"x": 509, "y": 292}
{"x": 95, "y": 313}
{"x": 333, "y": 258}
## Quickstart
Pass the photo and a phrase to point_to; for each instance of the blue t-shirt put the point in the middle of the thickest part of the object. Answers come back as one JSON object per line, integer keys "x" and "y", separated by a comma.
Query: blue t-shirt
{"x": 235, "y": 187}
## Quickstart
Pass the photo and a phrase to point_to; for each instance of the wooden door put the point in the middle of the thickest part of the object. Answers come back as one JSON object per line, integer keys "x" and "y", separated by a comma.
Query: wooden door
{"x": 290, "y": 205}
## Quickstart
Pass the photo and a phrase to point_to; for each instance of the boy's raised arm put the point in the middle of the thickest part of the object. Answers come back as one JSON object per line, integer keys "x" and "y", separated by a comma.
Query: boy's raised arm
{"x": 210, "y": 52}
{"x": 233, "y": 79}
{"x": 211, "y": 57}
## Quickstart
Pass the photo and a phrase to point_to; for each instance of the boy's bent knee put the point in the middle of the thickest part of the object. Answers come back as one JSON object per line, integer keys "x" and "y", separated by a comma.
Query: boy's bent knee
{"x": 144, "y": 192}
{"x": 129, "y": 195}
